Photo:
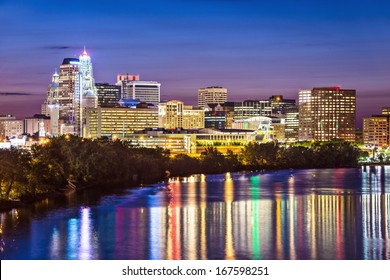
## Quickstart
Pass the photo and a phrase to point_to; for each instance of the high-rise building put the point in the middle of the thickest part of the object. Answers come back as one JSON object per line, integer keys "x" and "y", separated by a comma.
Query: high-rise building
{"x": 279, "y": 105}
{"x": 376, "y": 131}
{"x": 85, "y": 95}
{"x": 122, "y": 79}
{"x": 61, "y": 90}
{"x": 119, "y": 122}
{"x": 108, "y": 95}
{"x": 305, "y": 115}
{"x": 145, "y": 91}
{"x": 174, "y": 114}
{"x": 252, "y": 108}
{"x": 132, "y": 88}
{"x": 211, "y": 95}
{"x": 69, "y": 93}
{"x": 327, "y": 113}
{"x": 292, "y": 125}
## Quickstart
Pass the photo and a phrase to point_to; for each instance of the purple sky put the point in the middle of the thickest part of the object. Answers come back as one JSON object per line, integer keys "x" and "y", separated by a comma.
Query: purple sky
{"x": 254, "y": 48}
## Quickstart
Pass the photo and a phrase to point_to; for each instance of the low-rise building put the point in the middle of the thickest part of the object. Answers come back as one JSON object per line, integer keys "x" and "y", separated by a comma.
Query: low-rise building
{"x": 10, "y": 127}
{"x": 119, "y": 122}
{"x": 174, "y": 114}
{"x": 376, "y": 131}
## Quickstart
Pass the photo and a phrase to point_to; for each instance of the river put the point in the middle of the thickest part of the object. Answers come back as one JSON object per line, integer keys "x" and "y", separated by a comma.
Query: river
{"x": 288, "y": 214}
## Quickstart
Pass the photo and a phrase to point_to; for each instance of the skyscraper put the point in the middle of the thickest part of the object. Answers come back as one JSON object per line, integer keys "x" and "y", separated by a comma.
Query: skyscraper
{"x": 327, "y": 113}
{"x": 70, "y": 92}
{"x": 305, "y": 115}
{"x": 61, "y": 89}
{"x": 85, "y": 95}
{"x": 211, "y": 95}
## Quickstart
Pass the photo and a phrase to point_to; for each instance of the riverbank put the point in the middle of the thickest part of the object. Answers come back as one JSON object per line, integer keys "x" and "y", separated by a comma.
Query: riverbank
{"x": 49, "y": 169}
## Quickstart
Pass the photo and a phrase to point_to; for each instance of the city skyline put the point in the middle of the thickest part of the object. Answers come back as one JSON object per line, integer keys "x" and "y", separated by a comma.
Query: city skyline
{"x": 253, "y": 49}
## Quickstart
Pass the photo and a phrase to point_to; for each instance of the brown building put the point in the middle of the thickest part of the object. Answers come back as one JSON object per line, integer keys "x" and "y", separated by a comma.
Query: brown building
{"x": 376, "y": 131}
{"x": 327, "y": 113}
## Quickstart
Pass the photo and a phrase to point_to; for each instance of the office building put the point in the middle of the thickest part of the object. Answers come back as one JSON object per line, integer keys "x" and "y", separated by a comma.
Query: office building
{"x": 376, "y": 132}
{"x": 174, "y": 114}
{"x": 119, "y": 122}
{"x": 386, "y": 111}
{"x": 85, "y": 95}
{"x": 211, "y": 95}
{"x": 69, "y": 93}
{"x": 133, "y": 88}
{"x": 108, "y": 95}
{"x": 61, "y": 90}
{"x": 279, "y": 126}
{"x": 305, "y": 115}
{"x": 10, "y": 127}
{"x": 252, "y": 108}
{"x": 292, "y": 125}
{"x": 279, "y": 105}
{"x": 123, "y": 79}
{"x": 327, "y": 113}
{"x": 215, "y": 117}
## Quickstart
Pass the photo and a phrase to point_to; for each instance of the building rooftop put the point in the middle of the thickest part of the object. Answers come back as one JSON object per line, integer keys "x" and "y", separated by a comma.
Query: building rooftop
{"x": 70, "y": 60}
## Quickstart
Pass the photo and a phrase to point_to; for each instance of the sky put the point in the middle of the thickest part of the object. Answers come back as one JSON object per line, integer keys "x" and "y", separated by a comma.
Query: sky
{"x": 253, "y": 48}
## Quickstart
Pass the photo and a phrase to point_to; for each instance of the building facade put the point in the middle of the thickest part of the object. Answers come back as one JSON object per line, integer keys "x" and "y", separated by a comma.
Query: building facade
{"x": 174, "y": 114}
{"x": 69, "y": 93}
{"x": 119, "y": 122}
{"x": 292, "y": 125}
{"x": 305, "y": 115}
{"x": 108, "y": 95}
{"x": 376, "y": 131}
{"x": 39, "y": 125}
{"x": 252, "y": 108}
{"x": 10, "y": 127}
{"x": 327, "y": 113}
{"x": 146, "y": 91}
{"x": 85, "y": 92}
{"x": 211, "y": 95}
{"x": 386, "y": 111}
{"x": 279, "y": 105}
{"x": 61, "y": 90}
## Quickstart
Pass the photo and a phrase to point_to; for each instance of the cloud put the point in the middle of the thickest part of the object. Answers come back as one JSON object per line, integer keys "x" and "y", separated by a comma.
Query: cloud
{"x": 14, "y": 93}
{"x": 56, "y": 47}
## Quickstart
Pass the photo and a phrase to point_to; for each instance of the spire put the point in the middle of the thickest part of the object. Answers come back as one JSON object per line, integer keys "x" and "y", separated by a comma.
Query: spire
{"x": 85, "y": 51}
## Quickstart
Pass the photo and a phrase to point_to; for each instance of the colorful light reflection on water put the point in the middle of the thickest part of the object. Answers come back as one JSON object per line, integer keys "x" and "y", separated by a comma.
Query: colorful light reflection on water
{"x": 290, "y": 214}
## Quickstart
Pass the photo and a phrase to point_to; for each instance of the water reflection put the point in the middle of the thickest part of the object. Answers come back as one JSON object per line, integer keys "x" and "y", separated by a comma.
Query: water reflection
{"x": 306, "y": 214}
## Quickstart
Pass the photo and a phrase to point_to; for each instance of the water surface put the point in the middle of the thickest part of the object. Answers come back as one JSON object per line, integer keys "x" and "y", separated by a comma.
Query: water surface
{"x": 290, "y": 214}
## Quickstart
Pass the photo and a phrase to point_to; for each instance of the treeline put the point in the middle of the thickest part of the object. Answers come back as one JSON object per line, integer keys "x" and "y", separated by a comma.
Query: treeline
{"x": 255, "y": 156}
{"x": 72, "y": 161}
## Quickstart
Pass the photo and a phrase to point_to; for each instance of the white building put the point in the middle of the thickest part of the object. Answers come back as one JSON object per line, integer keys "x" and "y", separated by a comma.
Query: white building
{"x": 85, "y": 95}
{"x": 10, "y": 127}
{"x": 261, "y": 125}
{"x": 211, "y": 95}
{"x": 146, "y": 91}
